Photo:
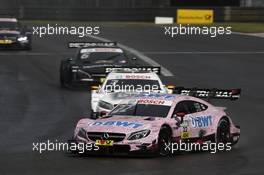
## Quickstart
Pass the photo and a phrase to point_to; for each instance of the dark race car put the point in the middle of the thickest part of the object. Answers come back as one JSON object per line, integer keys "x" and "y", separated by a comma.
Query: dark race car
{"x": 94, "y": 60}
{"x": 13, "y": 35}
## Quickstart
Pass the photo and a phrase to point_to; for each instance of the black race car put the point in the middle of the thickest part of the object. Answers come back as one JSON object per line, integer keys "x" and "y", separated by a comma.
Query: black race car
{"x": 13, "y": 35}
{"x": 93, "y": 62}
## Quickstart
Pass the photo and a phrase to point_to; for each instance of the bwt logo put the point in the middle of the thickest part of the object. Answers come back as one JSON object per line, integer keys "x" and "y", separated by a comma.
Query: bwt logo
{"x": 202, "y": 121}
{"x": 117, "y": 123}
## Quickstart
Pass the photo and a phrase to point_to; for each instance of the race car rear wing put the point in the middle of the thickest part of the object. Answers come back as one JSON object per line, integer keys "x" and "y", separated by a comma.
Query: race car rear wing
{"x": 142, "y": 69}
{"x": 91, "y": 44}
{"x": 232, "y": 94}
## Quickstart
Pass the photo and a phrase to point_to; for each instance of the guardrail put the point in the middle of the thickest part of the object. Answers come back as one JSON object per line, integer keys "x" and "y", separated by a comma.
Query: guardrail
{"x": 221, "y": 14}
{"x": 246, "y": 14}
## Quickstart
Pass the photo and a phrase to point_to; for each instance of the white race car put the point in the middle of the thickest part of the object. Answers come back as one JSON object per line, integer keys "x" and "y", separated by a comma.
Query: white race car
{"x": 121, "y": 85}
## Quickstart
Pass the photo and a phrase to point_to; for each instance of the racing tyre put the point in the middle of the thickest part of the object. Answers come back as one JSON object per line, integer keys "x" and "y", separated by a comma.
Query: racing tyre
{"x": 94, "y": 115}
{"x": 223, "y": 131}
{"x": 163, "y": 141}
{"x": 64, "y": 75}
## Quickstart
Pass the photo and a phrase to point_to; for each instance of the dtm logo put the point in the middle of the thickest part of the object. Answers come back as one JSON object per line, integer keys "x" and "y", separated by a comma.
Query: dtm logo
{"x": 117, "y": 123}
{"x": 202, "y": 121}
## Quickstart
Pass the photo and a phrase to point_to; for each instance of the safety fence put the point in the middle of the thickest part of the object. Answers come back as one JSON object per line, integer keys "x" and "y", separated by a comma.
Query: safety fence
{"x": 221, "y": 14}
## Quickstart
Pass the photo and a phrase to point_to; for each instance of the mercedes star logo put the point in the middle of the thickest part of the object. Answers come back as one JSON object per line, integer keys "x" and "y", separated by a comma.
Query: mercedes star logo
{"x": 105, "y": 136}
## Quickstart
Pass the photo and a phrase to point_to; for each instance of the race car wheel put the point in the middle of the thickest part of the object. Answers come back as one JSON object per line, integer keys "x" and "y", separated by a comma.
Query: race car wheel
{"x": 163, "y": 141}
{"x": 64, "y": 75}
{"x": 223, "y": 131}
{"x": 94, "y": 115}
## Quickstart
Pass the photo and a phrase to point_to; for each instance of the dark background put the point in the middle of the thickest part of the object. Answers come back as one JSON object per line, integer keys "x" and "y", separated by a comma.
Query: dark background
{"x": 205, "y": 2}
{"x": 123, "y": 3}
{"x": 130, "y": 10}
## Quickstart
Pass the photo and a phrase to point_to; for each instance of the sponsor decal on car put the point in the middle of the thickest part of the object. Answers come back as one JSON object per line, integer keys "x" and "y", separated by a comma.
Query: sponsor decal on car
{"x": 104, "y": 142}
{"x": 201, "y": 121}
{"x": 131, "y": 69}
{"x": 151, "y": 101}
{"x": 185, "y": 135}
{"x": 117, "y": 123}
{"x": 166, "y": 97}
{"x": 90, "y": 44}
{"x": 89, "y": 50}
{"x": 137, "y": 77}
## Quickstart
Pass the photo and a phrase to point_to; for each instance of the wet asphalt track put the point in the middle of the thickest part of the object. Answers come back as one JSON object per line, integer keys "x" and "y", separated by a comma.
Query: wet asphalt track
{"x": 33, "y": 108}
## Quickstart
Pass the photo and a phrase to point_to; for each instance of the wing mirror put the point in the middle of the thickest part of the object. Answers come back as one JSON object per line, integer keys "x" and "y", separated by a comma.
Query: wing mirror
{"x": 69, "y": 59}
{"x": 95, "y": 115}
{"x": 180, "y": 114}
{"x": 134, "y": 58}
{"x": 177, "y": 115}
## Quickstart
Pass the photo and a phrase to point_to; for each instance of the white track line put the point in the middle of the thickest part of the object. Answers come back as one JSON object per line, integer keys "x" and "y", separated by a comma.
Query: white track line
{"x": 260, "y": 35}
{"x": 32, "y": 54}
{"x": 202, "y": 52}
{"x": 164, "y": 71}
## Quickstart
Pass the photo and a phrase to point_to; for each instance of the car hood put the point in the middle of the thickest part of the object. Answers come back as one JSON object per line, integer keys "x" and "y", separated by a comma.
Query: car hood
{"x": 121, "y": 124}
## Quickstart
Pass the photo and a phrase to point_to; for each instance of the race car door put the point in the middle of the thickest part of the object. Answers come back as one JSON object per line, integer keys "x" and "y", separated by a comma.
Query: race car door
{"x": 195, "y": 120}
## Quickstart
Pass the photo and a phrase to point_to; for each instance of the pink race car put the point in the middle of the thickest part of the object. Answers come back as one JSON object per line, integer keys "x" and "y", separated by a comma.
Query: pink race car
{"x": 158, "y": 123}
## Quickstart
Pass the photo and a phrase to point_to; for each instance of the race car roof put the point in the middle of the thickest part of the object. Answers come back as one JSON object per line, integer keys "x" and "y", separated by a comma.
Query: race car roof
{"x": 8, "y": 20}
{"x": 133, "y": 75}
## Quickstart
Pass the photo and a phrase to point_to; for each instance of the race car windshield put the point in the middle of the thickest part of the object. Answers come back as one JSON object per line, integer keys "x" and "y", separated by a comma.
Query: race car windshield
{"x": 143, "y": 110}
{"x": 102, "y": 57}
{"x": 133, "y": 85}
{"x": 8, "y": 25}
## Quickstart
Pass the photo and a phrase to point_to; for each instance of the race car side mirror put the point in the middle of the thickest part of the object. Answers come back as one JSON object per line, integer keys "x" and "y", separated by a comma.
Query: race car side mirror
{"x": 95, "y": 115}
{"x": 134, "y": 58}
{"x": 69, "y": 59}
{"x": 180, "y": 114}
{"x": 177, "y": 115}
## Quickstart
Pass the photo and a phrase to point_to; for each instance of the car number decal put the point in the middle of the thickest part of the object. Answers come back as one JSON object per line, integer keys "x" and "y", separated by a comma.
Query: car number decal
{"x": 104, "y": 142}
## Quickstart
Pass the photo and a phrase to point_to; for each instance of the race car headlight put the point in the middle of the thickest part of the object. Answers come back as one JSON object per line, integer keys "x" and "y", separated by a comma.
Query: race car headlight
{"x": 139, "y": 135}
{"x": 82, "y": 133}
{"x": 170, "y": 89}
{"x": 23, "y": 38}
{"x": 105, "y": 105}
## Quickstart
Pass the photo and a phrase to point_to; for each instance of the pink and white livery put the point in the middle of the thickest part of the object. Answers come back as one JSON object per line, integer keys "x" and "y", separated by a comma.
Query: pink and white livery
{"x": 151, "y": 122}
